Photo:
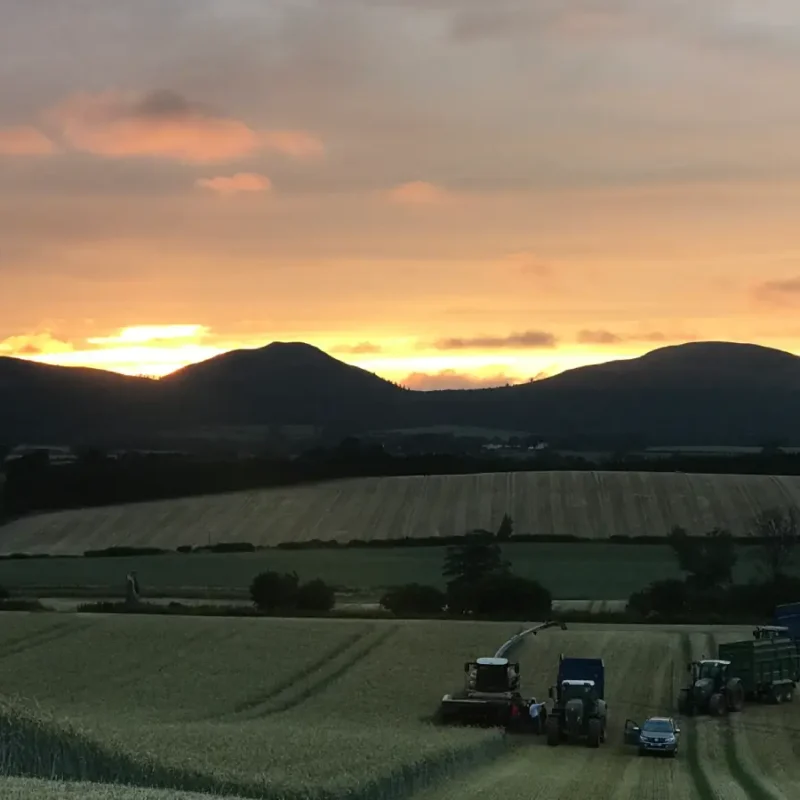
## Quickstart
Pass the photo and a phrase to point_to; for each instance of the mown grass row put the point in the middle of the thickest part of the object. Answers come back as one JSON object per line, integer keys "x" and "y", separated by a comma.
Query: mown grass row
{"x": 34, "y": 746}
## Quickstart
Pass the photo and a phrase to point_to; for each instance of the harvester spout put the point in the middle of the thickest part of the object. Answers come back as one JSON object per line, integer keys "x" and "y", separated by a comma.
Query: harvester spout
{"x": 515, "y": 640}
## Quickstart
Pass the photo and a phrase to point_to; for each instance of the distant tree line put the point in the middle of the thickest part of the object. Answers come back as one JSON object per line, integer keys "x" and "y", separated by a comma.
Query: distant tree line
{"x": 708, "y": 591}
{"x": 33, "y": 484}
{"x": 479, "y": 580}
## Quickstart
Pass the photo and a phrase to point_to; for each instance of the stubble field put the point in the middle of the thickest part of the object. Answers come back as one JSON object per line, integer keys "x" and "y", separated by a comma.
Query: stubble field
{"x": 333, "y": 709}
{"x": 592, "y": 505}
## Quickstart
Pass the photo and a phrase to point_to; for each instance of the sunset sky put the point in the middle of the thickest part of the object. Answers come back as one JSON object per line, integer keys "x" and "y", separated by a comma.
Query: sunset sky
{"x": 446, "y": 192}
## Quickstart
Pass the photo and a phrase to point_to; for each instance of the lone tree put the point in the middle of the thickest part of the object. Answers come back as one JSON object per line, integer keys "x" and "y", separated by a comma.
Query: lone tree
{"x": 709, "y": 560}
{"x": 468, "y": 565}
{"x": 477, "y": 558}
{"x": 506, "y": 529}
{"x": 778, "y": 532}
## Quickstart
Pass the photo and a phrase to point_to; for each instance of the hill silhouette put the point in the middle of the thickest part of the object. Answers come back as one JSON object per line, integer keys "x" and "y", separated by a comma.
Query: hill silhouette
{"x": 697, "y": 393}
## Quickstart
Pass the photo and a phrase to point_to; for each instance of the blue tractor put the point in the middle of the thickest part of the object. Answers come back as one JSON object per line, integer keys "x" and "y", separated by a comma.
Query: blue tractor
{"x": 579, "y": 709}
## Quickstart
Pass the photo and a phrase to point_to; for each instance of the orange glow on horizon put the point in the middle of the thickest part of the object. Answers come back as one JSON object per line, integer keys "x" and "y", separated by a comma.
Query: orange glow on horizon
{"x": 157, "y": 350}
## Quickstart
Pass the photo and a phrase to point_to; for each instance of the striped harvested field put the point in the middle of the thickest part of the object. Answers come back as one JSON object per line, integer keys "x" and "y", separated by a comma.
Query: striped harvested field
{"x": 586, "y": 504}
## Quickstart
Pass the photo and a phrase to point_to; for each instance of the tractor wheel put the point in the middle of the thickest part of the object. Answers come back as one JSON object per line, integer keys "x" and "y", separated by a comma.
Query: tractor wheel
{"x": 595, "y": 732}
{"x": 717, "y": 705}
{"x": 736, "y": 697}
{"x": 553, "y": 731}
{"x": 782, "y": 694}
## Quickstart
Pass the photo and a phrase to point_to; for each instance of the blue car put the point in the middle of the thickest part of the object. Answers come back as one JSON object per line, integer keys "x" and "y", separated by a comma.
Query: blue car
{"x": 657, "y": 735}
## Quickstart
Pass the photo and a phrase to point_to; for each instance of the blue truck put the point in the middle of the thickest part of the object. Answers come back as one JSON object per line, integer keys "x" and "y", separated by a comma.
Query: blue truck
{"x": 788, "y": 616}
{"x": 579, "y": 706}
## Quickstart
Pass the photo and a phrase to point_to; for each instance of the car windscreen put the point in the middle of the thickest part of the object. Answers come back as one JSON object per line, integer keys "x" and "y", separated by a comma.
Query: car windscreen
{"x": 657, "y": 726}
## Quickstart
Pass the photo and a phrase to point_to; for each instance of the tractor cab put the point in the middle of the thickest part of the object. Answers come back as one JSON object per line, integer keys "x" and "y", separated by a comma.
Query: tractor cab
{"x": 714, "y": 671}
{"x": 492, "y": 676}
{"x": 583, "y": 690}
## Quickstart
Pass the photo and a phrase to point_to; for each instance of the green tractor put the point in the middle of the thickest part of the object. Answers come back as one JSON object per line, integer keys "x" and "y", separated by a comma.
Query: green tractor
{"x": 764, "y": 669}
{"x": 712, "y": 689}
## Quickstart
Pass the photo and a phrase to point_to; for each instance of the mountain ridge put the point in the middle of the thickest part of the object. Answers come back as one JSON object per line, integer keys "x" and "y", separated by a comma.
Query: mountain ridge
{"x": 703, "y": 392}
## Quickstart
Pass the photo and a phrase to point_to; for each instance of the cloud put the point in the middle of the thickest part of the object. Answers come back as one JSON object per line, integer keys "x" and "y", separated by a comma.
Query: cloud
{"x": 523, "y": 339}
{"x": 503, "y": 20}
{"x": 148, "y": 334}
{"x": 234, "y": 184}
{"x": 25, "y": 140}
{"x": 598, "y": 337}
{"x": 601, "y": 336}
{"x": 300, "y": 144}
{"x": 34, "y": 344}
{"x": 781, "y": 292}
{"x": 163, "y": 124}
{"x": 362, "y": 348}
{"x": 418, "y": 193}
{"x": 528, "y": 263}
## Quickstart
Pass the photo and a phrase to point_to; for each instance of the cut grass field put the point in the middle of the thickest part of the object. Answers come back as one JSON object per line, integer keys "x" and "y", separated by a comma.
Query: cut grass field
{"x": 576, "y": 571}
{"x": 328, "y": 709}
{"x": 592, "y": 505}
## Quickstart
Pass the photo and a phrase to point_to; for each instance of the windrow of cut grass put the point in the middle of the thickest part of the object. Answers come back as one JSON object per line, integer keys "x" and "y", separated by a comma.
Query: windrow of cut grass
{"x": 593, "y": 505}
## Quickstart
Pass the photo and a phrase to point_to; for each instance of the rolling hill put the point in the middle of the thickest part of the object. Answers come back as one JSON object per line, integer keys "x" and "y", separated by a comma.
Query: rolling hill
{"x": 594, "y": 505}
{"x": 699, "y": 393}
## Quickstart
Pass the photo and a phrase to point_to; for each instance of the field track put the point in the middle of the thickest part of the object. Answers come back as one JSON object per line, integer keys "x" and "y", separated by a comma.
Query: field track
{"x": 266, "y": 708}
{"x": 586, "y": 504}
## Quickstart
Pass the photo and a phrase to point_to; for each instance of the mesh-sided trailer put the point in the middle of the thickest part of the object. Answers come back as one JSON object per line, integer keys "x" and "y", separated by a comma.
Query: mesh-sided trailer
{"x": 768, "y": 668}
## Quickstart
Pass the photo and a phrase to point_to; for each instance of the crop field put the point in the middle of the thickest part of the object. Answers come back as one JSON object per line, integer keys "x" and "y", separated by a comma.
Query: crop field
{"x": 40, "y": 789}
{"x": 587, "y": 504}
{"x": 572, "y": 571}
{"x": 302, "y": 709}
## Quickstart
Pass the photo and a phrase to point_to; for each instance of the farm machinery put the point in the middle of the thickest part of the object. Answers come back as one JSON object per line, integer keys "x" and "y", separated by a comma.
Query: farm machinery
{"x": 765, "y": 668}
{"x": 579, "y": 708}
{"x": 491, "y": 695}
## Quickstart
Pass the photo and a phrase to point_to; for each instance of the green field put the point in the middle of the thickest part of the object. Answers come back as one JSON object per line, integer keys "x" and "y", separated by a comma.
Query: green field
{"x": 571, "y": 571}
{"x": 591, "y": 505}
{"x": 339, "y": 709}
